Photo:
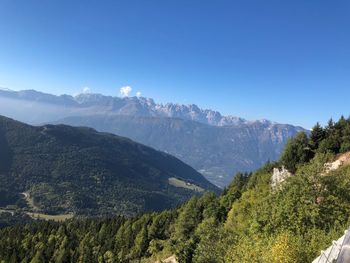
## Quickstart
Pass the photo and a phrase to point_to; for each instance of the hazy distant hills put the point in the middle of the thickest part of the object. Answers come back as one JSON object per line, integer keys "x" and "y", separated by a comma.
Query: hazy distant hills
{"x": 217, "y": 146}
{"x": 68, "y": 169}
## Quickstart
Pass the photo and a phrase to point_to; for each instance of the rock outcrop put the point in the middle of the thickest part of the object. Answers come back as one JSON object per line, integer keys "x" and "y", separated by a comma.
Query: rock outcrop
{"x": 279, "y": 176}
{"x": 340, "y": 160}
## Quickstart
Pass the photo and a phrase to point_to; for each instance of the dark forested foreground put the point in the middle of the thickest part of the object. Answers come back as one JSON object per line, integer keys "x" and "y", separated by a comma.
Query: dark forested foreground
{"x": 249, "y": 222}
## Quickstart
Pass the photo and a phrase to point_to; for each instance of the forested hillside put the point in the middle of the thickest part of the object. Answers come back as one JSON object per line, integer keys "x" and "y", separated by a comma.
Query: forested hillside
{"x": 249, "y": 222}
{"x": 62, "y": 169}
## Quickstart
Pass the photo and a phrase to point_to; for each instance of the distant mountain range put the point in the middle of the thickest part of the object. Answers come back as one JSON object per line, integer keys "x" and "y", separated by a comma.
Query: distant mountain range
{"x": 66, "y": 169}
{"x": 88, "y": 103}
{"x": 218, "y": 146}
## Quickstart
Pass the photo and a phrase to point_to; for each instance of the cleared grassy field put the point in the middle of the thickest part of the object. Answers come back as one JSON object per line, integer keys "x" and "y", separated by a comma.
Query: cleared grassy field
{"x": 179, "y": 183}
{"x": 57, "y": 218}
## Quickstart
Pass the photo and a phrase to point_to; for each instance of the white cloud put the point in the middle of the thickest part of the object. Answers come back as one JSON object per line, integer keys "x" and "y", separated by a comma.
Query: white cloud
{"x": 138, "y": 94}
{"x": 86, "y": 90}
{"x": 124, "y": 91}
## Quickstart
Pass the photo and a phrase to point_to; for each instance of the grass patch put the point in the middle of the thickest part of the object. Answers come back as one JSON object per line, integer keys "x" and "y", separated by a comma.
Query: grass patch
{"x": 179, "y": 183}
{"x": 57, "y": 218}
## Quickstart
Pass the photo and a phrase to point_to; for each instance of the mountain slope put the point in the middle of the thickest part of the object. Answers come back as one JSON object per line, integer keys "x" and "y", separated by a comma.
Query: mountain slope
{"x": 79, "y": 170}
{"x": 217, "y": 152}
{"x": 217, "y": 146}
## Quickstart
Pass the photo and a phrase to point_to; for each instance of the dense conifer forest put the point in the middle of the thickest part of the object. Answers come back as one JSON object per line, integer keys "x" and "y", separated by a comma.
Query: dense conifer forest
{"x": 249, "y": 222}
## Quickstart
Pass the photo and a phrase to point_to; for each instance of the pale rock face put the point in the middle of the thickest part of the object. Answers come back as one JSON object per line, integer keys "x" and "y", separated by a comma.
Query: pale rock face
{"x": 171, "y": 259}
{"x": 332, "y": 166}
{"x": 341, "y": 160}
{"x": 279, "y": 176}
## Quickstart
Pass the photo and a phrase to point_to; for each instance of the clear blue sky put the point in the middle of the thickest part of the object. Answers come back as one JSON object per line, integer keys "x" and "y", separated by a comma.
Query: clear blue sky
{"x": 288, "y": 61}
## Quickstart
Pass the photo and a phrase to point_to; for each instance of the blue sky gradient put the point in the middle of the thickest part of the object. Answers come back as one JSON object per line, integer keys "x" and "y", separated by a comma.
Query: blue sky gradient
{"x": 288, "y": 61}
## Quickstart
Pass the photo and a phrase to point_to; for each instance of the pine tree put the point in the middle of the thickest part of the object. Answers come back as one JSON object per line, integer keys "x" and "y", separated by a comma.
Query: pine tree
{"x": 140, "y": 244}
{"x": 38, "y": 258}
{"x": 317, "y": 135}
{"x": 296, "y": 152}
